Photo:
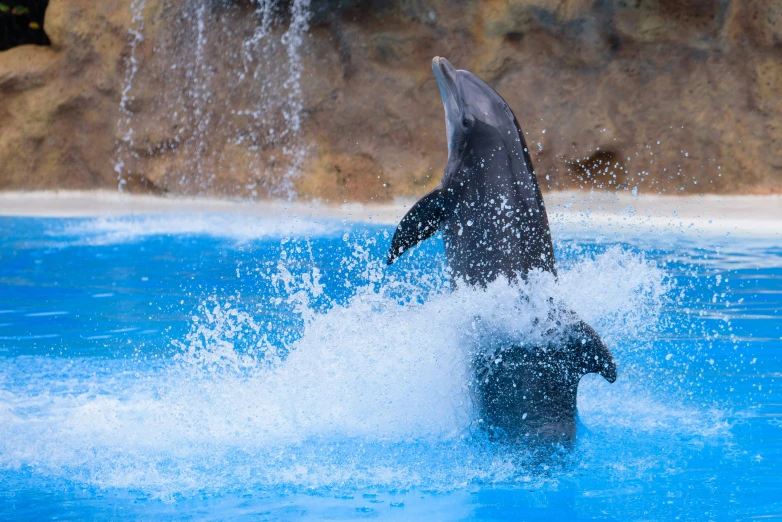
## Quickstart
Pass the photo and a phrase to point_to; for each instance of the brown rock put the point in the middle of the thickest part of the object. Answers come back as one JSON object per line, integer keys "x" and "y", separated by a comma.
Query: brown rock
{"x": 663, "y": 95}
{"x": 346, "y": 177}
{"x": 24, "y": 68}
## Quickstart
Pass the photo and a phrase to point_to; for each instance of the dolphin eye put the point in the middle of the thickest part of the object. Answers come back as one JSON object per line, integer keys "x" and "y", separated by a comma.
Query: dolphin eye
{"x": 466, "y": 122}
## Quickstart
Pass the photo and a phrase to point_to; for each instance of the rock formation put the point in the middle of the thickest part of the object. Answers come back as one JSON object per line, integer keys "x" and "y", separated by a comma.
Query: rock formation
{"x": 224, "y": 97}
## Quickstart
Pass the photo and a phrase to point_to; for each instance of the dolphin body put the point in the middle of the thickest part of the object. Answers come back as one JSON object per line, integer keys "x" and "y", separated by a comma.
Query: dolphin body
{"x": 491, "y": 212}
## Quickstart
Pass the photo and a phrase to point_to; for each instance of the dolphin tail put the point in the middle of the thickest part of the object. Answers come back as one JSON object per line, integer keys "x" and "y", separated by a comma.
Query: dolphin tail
{"x": 420, "y": 223}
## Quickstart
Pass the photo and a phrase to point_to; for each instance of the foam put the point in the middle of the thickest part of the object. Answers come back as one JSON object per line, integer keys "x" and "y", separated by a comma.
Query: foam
{"x": 601, "y": 212}
{"x": 243, "y": 228}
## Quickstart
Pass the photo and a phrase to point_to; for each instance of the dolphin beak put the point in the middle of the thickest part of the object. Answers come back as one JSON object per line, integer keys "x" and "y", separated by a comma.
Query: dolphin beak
{"x": 445, "y": 73}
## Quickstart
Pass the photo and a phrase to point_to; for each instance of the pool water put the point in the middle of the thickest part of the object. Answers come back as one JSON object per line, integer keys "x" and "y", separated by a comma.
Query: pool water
{"x": 227, "y": 366}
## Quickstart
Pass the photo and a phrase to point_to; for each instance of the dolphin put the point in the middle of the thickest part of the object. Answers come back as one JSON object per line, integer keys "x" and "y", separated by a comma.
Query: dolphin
{"x": 490, "y": 210}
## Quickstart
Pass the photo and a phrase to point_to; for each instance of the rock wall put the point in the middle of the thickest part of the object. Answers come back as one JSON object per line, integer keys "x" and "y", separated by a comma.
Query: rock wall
{"x": 662, "y": 95}
{"x": 59, "y": 103}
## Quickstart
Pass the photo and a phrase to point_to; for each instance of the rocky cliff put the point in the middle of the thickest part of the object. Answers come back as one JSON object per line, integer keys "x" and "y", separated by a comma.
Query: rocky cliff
{"x": 335, "y": 98}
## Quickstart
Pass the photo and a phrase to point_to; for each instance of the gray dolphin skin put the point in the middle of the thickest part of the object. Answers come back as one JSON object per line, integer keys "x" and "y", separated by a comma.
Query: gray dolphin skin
{"x": 491, "y": 212}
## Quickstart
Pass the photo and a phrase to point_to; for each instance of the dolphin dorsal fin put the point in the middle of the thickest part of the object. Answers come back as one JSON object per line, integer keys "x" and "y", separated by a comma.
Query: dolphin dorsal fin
{"x": 420, "y": 223}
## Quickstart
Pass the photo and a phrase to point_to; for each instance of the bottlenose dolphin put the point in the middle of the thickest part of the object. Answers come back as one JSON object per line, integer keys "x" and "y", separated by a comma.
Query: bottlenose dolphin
{"x": 491, "y": 212}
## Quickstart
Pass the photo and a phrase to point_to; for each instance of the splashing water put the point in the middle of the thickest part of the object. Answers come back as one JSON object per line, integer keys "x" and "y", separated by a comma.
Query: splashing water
{"x": 369, "y": 368}
{"x": 304, "y": 365}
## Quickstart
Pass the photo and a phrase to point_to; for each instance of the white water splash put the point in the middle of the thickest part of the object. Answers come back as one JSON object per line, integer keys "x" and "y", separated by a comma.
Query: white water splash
{"x": 374, "y": 391}
{"x": 241, "y": 228}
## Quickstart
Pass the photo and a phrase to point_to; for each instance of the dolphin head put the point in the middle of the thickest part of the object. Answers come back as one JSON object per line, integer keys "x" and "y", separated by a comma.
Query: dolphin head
{"x": 474, "y": 112}
{"x": 488, "y": 204}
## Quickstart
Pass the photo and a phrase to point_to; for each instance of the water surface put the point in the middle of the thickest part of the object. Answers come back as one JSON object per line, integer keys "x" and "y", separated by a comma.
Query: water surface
{"x": 215, "y": 366}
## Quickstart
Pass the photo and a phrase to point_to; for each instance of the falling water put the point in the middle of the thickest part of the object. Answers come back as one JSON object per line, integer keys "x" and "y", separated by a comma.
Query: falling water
{"x": 293, "y": 40}
{"x": 259, "y": 52}
{"x": 124, "y": 125}
{"x": 200, "y": 93}
{"x": 218, "y": 101}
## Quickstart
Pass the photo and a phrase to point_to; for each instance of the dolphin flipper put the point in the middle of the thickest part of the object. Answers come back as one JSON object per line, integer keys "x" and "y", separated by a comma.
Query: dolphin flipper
{"x": 589, "y": 353}
{"x": 420, "y": 222}
{"x": 531, "y": 391}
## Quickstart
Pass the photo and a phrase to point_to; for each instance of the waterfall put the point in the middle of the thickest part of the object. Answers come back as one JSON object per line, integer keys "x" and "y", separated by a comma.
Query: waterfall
{"x": 258, "y": 51}
{"x": 200, "y": 94}
{"x": 217, "y": 99}
{"x": 293, "y": 40}
{"x": 124, "y": 124}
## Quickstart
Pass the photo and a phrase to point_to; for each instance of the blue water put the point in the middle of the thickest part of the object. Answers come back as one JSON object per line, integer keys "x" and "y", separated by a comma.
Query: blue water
{"x": 219, "y": 367}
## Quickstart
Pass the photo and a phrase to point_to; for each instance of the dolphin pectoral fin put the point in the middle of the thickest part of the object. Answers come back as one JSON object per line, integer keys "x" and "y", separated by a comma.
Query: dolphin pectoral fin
{"x": 608, "y": 369}
{"x": 592, "y": 354}
{"x": 420, "y": 223}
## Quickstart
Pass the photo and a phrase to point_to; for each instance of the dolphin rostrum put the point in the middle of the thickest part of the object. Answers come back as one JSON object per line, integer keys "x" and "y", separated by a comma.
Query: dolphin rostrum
{"x": 491, "y": 212}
